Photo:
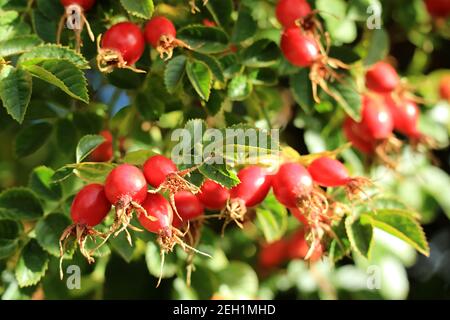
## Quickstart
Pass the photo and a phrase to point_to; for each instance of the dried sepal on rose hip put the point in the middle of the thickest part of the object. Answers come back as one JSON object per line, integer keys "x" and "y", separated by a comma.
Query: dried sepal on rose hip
{"x": 121, "y": 46}
{"x": 255, "y": 184}
{"x": 74, "y": 10}
{"x": 160, "y": 210}
{"x": 162, "y": 174}
{"x": 89, "y": 208}
{"x": 161, "y": 34}
{"x": 126, "y": 189}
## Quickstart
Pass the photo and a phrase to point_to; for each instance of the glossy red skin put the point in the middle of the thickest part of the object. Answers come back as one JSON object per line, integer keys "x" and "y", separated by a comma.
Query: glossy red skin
{"x": 126, "y": 183}
{"x": 298, "y": 247}
{"x": 299, "y": 49}
{"x": 357, "y": 135}
{"x": 438, "y": 8}
{"x": 85, "y": 4}
{"x": 382, "y": 78}
{"x": 213, "y": 195}
{"x": 289, "y": 11}
{"x": 157, "y": 27}
{"x": 328, "y": 172}
{"x": 156, "y": 168}
{"x": 157, "y": 206}
{"x": 188, "y": 207}
{"x": 127, "y": 39}
{"x": 90, "y": 206}
{"x": 299, "y": 215}
{"x": 104, "y": 152}
{"x": 273, "y": 254}
{"x": 291, "y": 182}
{"x": 444, "y": 88}
{"x": 376, "y": 118}
{"x": 405, "y": 115}
{"x": 254, "y": 186}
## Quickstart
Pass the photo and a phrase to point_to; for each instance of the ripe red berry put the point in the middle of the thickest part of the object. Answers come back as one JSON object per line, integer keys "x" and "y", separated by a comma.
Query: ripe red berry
{"x": 382, "y": 78}
{"x": 298, "y": 247}
{"x": 299, "y": 49}
{"x": 405, "y": 115}
{"x": 156, "y": 168}
{"x": 291, "y": 183}
{"x": 158, "y": 207}
{"x": 90, "y": 206}
{"x": 156, "y": 28}
{"x": 273, "y": 254}
{"x": 358, "y": 136}
{"x": 188, "y": 207}
{"x": 376, "y": 118}
{"x": 328, "y": 172}
{"x": 213, "y": 195}
{"x": 254, "y": 186}
{"x": 444, "y": 87}
{"x": 438, "y": 8}
{"x": 125, "y": 184}
{"x": 85, "y": 4}
{"x": 104, "y": 152}
{"x": 126, "y": 38}
{"x": 289, "y": 11}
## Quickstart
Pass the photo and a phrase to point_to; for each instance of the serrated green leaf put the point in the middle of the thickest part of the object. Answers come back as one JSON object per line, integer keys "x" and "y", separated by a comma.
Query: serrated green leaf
{"x": 139, "y": 8}
{"x": 220, "y": 174}
{"x": 18, "y": 45}
{"x": 31, "y": 138}
{"x": 348, "y": 98}
{"x": 10, "y": 229}
{"x": 214, "y": 104}
{"x": 149, "y": 105}
{"x": 45, "y": 28}
{"x": 245, "y": 26}
{"x": 48, "y": 231}
{"x": 93, "y": 171}
{"x": 221, "y": 11}
{"x": 41, "y": 183}
{"x": 62, "y": 174}
{"x": 153, "y": 260}
{"x": 122, "y": 247}
{"x": 200, "y": 77}
{"x": 401, "y": 224}
{"x": 360, "y": 236}
{"x": 212, "y": 63}
{"x": 15, "y": 91}
{"x": 138, "y": 157}
{"x": 53, "y": 52}
{"x": 87, "y": 144}
{"x": 302, "y": 90}
{"x": 271, "y": 219}
{"x": 19, "y": 203}
{"x": 8, "y": 247}
{"x": 203, "y": 39}
{"x": 62, "y": 74}
{"x": 239, "y": 88}
{"x": 262, "y": 53}
{"x": 32, "y": 264}
{"x": 174, "y": 72}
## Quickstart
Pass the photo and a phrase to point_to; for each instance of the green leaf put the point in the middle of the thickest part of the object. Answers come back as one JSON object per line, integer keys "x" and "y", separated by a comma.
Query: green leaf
{"x": 31, "y": 138}
{"x": 8, "y": 247}
{"x": 271, "y": 219}
{"x": 360, "y": 236}
{"x": 214, "y": 104}
{"x": 18, "y": 45}
{"x": 338, "y": 249}
{"x": 87, "y": 144}
{"x": 341, "y": 29}
{"x": 41, "y": 183}
{"x": 93, "y": 171}
{"x": 220, "y": 174}
{"x": 53, "y": 52}
{"x": 200, "y": 76}
{"x": 19, "y": 203}
{"x": 48, "y": 231}
{"x": 302, "y": 90}
{"x": 204, "y": 39}
{"x": 239, "y": 88}
{"x": 348, "y": 98}
{"x": 378, "y": 47}
{"x": 263, "y": 53}
{"x": 32, "y": 264}
{"x": 62, "y": 74}
{"x": 213, "y": 64}
{"x": 245, "y": 26}
{"x": 401, "y": 224}
{"x": 153, "y": 260}
{"x": 10, "y": 231}
{"x": 62, "y": 174}
{"x": 436, "y": 182}
{"x": 174, "y": 72}
{"x": 15, "y": 91}
{"x": 66, "y": 135}
{"x": 238, "y": 281}
{"x": 139, "y": 8}
{"x": 149, "y": 106}
{"x": 122, "y": 247}
{"x": 138, "y": 157}
{"x": 221, "y": 11}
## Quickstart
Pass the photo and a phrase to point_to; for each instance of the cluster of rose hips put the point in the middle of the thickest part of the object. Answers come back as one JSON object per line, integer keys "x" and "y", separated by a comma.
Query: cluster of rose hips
{"x": 123, "y": 44}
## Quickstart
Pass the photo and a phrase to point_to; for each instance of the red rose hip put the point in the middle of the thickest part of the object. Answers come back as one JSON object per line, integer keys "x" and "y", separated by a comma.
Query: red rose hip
{"x": 156, "y": 169}
{"x": 213, "y": 195}
{"x": 382, "y": 78}
{"x": 299, "y": 49}
{"x": 289, "y": 11}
